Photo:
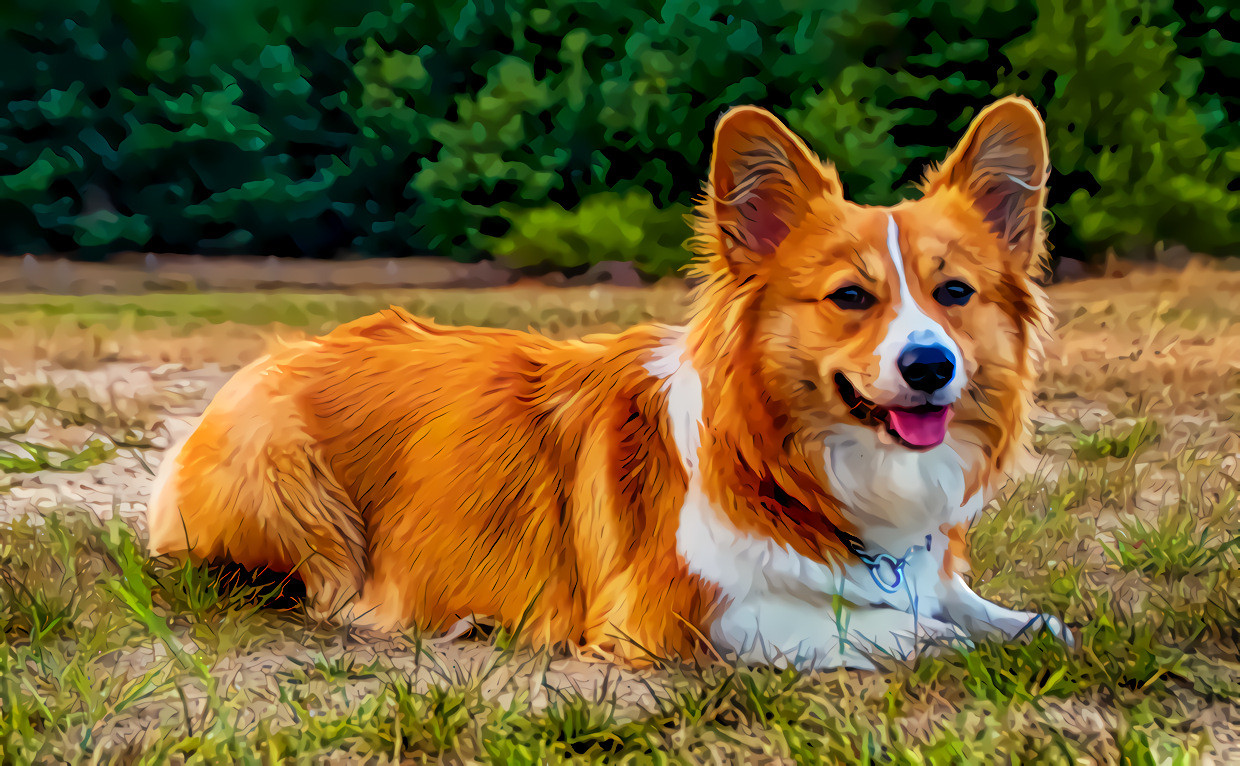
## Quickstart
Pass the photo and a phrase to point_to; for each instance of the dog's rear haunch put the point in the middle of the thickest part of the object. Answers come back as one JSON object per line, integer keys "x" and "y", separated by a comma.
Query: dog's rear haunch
{"x": 788, "y": 478}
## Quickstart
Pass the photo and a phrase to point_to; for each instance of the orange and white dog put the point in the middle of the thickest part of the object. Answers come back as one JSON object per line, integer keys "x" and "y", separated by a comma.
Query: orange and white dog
{"x": 789, "y": 477}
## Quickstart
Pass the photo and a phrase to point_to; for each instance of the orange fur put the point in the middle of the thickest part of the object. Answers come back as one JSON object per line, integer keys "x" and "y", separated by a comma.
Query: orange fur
{"x": 956, "y": 557}
{"x": 428, "y": 474}
{"x": 414, "y": 474}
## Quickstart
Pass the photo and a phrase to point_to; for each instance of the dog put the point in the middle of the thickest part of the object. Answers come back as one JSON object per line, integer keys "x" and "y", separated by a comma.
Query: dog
{"x": 787, "y": 479}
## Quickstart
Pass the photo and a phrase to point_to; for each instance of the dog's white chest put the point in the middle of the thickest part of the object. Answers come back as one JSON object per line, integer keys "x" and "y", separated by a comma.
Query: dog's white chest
{"x": 893, "y": 495}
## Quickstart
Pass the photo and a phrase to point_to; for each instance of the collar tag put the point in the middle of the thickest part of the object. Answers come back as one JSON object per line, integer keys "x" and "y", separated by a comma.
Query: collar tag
{"x": 886, "y": 570}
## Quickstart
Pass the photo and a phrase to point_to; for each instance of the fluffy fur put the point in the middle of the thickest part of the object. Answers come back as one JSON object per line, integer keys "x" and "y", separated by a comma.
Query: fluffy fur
{"x": 646, "y": 493}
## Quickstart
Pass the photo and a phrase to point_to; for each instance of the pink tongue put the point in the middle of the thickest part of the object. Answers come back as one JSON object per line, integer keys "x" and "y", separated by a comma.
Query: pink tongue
{"x": 920, "y": 429}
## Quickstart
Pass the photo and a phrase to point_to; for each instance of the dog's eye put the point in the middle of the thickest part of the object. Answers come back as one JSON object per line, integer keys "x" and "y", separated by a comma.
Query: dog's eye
{"x": 852, "y": 298}
{"x": 953, "y": 293}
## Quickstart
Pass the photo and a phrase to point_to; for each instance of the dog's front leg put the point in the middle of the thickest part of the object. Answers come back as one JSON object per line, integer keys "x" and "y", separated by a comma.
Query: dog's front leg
{"x": 961, "y": 605}
{"x": 929, "y": 588}
{"x": 770, "y": 629}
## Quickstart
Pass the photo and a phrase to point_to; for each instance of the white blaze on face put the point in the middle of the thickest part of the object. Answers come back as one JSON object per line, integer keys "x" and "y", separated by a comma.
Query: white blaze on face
{"x": 911, "y": 327}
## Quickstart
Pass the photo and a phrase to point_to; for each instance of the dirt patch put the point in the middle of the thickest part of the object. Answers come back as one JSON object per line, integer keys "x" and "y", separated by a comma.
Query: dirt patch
{"x": 173, "y": 395}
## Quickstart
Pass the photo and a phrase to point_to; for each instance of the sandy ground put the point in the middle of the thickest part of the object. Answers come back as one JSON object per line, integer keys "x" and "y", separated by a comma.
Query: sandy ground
{"x": 121, "y": 485}
{"x": 1191, "y": 379}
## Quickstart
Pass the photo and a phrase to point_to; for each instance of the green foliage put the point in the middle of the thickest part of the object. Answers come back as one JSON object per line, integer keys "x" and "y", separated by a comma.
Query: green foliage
{"x": 1135, "y": 123}
{"x": 605, "y": 227}
{"x": 389, "y": 127}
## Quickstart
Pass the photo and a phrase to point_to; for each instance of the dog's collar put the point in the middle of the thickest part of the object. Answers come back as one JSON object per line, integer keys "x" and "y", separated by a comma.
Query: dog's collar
{"x": 886, "y": 570}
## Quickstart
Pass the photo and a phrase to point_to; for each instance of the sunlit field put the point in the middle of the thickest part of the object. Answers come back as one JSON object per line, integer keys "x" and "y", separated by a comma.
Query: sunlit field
{"x": 1123, "y": 519}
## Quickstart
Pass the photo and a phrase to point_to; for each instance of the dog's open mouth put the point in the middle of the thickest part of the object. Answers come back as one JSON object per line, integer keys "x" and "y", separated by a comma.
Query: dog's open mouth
{"x": 920, "y": 427}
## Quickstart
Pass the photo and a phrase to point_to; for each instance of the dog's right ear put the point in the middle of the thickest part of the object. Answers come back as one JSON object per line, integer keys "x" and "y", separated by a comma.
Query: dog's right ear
{"x": 762, "y": 179}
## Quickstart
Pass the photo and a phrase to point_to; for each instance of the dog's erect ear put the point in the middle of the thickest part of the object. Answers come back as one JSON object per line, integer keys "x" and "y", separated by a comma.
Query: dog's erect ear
{"x": 762, "y": 178}
{"x": 1002, "y": 165}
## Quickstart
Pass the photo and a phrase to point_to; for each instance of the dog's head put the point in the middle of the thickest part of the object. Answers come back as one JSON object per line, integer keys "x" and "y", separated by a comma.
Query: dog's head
{"x": 911, "y": 319}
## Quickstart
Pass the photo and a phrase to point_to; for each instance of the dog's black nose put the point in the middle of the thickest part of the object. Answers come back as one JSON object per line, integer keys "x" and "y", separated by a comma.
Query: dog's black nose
{"x": 927, "y": 368}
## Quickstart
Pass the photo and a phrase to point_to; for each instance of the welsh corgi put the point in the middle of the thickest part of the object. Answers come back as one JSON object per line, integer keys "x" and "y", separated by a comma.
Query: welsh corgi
{"x": 789, "y": 478}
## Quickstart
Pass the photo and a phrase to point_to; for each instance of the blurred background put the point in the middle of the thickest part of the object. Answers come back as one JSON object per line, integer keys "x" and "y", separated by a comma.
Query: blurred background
{"x": 555, "y": 135}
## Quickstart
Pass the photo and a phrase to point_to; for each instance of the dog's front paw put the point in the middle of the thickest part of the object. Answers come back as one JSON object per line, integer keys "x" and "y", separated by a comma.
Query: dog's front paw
{"x": 1051, "y": 624}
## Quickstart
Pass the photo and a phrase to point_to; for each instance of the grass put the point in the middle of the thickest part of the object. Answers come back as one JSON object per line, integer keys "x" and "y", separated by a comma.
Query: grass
{"x": 40, "y": 458}
{"x": 1125, "y": 522}
{"x": 518, "y": 306}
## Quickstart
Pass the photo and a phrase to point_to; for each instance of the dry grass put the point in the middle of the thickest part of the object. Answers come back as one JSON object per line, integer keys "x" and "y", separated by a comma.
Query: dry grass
{"x": 1125, "y": 521}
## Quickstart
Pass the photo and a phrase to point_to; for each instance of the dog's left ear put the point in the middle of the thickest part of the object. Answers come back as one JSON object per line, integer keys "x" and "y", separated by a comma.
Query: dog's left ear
{"x": 1002, "y": 165}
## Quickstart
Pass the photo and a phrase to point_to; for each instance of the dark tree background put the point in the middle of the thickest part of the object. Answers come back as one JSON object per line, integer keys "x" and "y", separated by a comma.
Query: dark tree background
{"x": 565, "y": 133}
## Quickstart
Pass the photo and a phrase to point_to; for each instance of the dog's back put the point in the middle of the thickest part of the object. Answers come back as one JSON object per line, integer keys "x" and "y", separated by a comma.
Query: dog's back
{"x": 413, "y": 475}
